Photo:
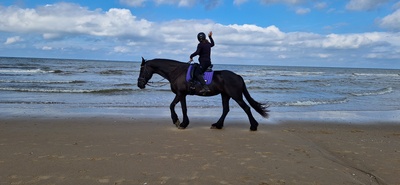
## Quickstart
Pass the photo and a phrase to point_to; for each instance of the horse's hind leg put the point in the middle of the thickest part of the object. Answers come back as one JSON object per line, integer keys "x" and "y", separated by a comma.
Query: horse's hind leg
{"x": 185, "y": 121}
{"x": 225, "y": 110}
{"x": 246, "y": 108}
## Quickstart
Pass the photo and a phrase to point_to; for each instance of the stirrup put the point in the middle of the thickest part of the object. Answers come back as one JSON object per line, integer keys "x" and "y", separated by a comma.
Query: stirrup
{"x": 204, "y": 90}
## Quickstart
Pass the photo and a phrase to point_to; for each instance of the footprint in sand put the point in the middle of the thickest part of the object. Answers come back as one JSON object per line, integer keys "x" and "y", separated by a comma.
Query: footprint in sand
{"x": 104, "y": 180}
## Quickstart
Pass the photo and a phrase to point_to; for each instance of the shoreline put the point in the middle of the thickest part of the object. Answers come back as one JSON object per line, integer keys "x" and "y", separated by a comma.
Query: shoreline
{"x": 111, "y": 150}
{"x": 208, "y": 114}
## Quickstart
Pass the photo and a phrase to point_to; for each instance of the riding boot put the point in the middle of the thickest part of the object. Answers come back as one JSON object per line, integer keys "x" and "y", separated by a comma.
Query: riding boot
{"x": 205, "y": 89}
{"x": 203, "y": 84}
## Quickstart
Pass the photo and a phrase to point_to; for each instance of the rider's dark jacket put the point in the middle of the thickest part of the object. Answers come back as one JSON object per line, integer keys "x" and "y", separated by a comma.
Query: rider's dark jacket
{"x": 204, "y": 52}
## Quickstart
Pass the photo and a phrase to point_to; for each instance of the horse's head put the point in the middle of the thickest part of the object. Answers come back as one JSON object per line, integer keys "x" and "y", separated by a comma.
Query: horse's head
{"x": 145, "y": 74}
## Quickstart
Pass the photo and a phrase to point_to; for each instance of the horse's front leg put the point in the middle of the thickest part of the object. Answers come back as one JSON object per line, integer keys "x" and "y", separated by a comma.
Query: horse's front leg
{"x": 185, "y": 121}
{"x": 174, "y": 116}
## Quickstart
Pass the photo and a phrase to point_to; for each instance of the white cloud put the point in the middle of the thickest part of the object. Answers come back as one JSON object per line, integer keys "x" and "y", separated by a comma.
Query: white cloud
{"x": 12, "y": 40}
{"x": 320, "y": 5}
{"x": 138, "y": 3}
{"x": 396, "y": 5}
{"x": 70, "y": 19}
{"x": 352, "y": 41}
{"x": 121, "y": 49}
{"x": 208, "y": 4}
{"x": 51, "y": 35}
{"x": 249, "y": 34}
{"x": 290, "y": 2}
{"x": 133, "y": 3}
{"x": 364, "y": 4}
{"x": 47, "y": 48}
{"x": 391, "y": 21}
{"x": 302, "y": 11}
{"x": 177, "y": 2}
{"x": 75, "y": 30}
{"x": 239, "y": 2}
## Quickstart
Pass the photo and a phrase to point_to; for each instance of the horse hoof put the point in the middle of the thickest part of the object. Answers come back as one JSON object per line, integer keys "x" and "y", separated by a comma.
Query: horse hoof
{"x": 215, "y": 127}
{"x": 177, "y": 123}
{"x": 181, "y": 128}
{"x": 253, "y": 129}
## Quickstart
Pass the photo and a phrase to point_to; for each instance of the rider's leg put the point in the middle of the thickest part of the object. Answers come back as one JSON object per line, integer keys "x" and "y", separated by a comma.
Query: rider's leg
{"x": 199, "y": 76}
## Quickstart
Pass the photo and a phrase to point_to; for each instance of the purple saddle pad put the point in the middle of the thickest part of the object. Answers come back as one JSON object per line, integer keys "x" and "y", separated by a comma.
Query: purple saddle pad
{"x": 208, "y": 75}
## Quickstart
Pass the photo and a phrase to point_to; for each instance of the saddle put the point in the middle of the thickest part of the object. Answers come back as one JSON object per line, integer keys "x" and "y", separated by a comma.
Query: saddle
{"x": 208, "y": 76}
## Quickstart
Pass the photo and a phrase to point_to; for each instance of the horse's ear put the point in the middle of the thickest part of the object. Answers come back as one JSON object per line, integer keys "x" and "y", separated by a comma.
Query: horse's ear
{"x": 143, "y": 61}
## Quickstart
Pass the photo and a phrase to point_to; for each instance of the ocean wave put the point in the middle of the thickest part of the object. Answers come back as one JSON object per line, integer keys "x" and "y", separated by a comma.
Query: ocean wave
{"x": 27, "y": 71}
{"x": 110, "y": 91}
{"x": 31, "y": 102}
{"x": 247, "y": 81}
{"x": 314, "y": 102}
{"x": 377, "y": 74}
{"x": 105, "y": 91}
{"x": 112, "y": 72}
{"x": 43, "y": 81}
{"x": 374, "y": 92}
{"x": 254, "y": 87}
{"x": 295, "y": 73}
{"x": 281, "y": 73}
{"x": 124, "y": 84}
{"x": 283, "y": 88}
{"x": 252, "y": 73}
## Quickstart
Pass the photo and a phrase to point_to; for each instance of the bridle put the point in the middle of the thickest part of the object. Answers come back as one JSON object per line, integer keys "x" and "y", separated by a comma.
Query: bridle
{"x": 142, "y": 78}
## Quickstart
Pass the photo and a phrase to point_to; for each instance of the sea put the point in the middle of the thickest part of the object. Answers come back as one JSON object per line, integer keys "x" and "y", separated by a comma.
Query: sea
{"x": 37, "y": 87}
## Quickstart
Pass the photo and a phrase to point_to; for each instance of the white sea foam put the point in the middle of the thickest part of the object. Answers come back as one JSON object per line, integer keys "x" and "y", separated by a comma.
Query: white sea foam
{"x": 377, "y": 74}
{"x": 375, "y": 92}
{"x": 295, "y": 73}
{"x": 315, "y": 102}
{"x": 24, "y": 71}
{"x": 63, "y": 90}
{"x": 42, "y": 81}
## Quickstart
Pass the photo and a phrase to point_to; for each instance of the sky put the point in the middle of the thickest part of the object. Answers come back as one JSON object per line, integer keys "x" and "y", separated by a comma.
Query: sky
{"x": 338, "y": 33}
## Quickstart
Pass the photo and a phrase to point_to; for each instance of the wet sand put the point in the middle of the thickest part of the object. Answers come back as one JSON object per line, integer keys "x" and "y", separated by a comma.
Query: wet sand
{"x": 137, "y": 151}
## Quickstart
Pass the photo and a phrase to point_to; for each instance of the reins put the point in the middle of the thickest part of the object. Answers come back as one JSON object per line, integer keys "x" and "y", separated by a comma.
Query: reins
{"x": 164, "y": 83}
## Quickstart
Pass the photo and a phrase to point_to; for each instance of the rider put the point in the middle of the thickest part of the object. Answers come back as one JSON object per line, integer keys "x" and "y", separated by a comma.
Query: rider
{"x": 204, "y": 52}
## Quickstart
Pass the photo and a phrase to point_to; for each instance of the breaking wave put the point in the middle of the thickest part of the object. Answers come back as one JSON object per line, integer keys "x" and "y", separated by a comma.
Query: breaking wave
{"x": 374, "y": 92}
{"x": 105, "y": 91}
{"x": 27, "y": 71}
{"x": 43, "y": 81}
{"x": 377, "y": 74}
{"x": 314, "y": 102}
{"x": 112, "y": 72}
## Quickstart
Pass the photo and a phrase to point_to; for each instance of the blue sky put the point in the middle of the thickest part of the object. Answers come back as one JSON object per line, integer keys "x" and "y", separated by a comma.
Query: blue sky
{"x": 354, "y": 33}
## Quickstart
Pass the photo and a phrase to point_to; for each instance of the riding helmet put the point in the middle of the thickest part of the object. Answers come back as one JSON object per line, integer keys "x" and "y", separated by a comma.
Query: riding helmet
{"x": 201, "y": 36}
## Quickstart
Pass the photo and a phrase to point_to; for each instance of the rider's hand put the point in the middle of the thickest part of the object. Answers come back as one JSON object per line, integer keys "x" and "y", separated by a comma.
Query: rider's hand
{"x": 210, "y": 34}
{"x": 190, "y": 60}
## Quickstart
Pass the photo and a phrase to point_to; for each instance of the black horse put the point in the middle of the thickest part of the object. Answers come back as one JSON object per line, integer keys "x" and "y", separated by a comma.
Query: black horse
{"x": 226, "y": 83}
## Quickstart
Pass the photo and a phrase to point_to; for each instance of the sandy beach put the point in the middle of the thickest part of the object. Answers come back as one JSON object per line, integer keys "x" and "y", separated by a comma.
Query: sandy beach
{"x": 138, "y": 151}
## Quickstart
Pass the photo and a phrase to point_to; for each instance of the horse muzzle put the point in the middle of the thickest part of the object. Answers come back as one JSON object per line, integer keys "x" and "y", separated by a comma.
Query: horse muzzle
{"x": 141, "y": 83}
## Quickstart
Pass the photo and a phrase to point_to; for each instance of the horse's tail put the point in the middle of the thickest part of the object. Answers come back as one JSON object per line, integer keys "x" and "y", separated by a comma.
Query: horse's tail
{"x": 261, "y": 108}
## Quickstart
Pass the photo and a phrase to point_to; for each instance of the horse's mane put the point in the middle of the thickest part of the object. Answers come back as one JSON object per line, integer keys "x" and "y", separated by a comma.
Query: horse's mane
{"x": 166, "y": 60}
